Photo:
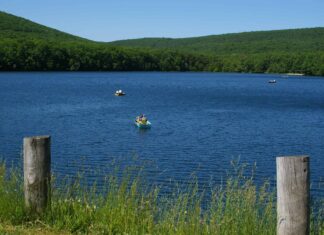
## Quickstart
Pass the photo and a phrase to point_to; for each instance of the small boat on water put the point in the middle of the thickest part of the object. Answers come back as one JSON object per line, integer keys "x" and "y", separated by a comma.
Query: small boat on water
{"x": 142, "y": 122}
{"x": 119, "y": 93}
{"x": 272, "y": 81}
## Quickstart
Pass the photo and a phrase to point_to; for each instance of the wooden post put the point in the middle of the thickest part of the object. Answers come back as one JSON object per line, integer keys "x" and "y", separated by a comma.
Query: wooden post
{"x": 37, "y": 173}
{"x": 293, "y": 195}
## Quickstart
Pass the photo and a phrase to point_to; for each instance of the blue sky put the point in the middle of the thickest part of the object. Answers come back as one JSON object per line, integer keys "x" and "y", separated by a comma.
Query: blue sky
{"x": 106, "y": 20}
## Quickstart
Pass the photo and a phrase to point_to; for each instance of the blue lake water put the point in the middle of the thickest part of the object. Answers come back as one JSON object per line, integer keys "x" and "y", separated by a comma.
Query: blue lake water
{"x": 200, "y": 121}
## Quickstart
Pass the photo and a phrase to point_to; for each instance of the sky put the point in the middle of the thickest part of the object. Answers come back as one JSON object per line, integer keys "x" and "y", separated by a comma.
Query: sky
{"x": 109, "y": 20}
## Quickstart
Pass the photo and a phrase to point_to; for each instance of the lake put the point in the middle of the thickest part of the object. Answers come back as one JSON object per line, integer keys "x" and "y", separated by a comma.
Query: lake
{"x": 200, "y": 122}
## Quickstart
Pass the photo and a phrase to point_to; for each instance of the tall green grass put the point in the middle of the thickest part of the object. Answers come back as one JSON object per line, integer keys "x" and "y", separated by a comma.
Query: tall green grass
{"x": 130, "y": 206}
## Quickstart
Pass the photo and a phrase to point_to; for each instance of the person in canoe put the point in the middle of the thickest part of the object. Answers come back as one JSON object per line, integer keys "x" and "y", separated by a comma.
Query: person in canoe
{"x": 119, "y": 93}
{"x": 141, "y": 119}
{"x": 142, "y": 122}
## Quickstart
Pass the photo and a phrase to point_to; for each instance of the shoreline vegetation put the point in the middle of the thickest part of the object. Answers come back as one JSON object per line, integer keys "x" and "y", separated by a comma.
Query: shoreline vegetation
{"x": 27, "y": 46}
{"x": 131, "y": 206}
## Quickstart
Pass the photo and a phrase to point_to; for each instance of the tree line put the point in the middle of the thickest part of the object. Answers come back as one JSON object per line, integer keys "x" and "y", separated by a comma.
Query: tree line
{"x": 40, "y": 55}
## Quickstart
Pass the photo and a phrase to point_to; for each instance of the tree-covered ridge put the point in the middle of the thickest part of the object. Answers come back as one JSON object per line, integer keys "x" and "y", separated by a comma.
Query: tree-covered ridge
{"x": 290, "y": 41}
{"x": 19, "y": 28}
{"x": 27, "y": 46}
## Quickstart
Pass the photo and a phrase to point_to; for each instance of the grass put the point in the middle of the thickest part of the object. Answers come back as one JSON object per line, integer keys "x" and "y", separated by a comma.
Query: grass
{"x": 130, "y": 206}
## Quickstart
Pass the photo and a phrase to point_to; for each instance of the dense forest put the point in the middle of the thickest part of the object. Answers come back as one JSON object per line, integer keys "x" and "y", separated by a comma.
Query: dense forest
{"x": 28, "y": 46}
{"x": 278, "y": 41}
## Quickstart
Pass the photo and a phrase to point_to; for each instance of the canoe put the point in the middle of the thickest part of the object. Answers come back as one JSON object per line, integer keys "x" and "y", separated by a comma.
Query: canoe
{"x": 119, "y": 94}
{"x": 143, "y": 126}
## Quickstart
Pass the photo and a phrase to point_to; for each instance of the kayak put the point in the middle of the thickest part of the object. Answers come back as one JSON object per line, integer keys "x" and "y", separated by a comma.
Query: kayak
{"x": 142, "y": 125}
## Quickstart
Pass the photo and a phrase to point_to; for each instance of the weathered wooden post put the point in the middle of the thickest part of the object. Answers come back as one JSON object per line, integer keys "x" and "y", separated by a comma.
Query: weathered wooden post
{"x": 37, "y": 173}
{"x": 293, "y": 195}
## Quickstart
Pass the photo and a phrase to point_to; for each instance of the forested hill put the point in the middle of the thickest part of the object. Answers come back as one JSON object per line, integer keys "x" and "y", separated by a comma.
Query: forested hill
{"x": 28, "y": 46}
{"x": 19, "y": 28}
{"x": 289, "y": 41}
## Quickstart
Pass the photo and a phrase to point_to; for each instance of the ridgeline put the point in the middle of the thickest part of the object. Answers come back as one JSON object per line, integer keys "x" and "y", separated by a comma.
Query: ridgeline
{"x": 28, "y": 46}
{"x": 278, "y": 41}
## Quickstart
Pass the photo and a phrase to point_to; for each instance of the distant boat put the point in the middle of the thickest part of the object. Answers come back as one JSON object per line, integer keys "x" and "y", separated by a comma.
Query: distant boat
{"x": 272, "y": 81}
{"x": 142, "y": 122}
{"x": 119, "y": 93}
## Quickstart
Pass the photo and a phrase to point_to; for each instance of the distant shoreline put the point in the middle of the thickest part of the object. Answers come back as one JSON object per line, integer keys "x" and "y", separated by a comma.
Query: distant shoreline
{"x": 295, "y": 74}
{"x": 100, "y": 71}
{"x": 28, "y": 46}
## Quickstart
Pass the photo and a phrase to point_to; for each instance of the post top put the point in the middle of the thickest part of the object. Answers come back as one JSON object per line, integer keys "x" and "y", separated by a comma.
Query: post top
{"x": 296, "y": 156}
{"x": 303, "y": 157}
{"x": 38, "y": 137}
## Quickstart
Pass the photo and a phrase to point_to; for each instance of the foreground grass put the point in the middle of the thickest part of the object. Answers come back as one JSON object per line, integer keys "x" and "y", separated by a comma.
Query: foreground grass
{"x": 129, "y": 207}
